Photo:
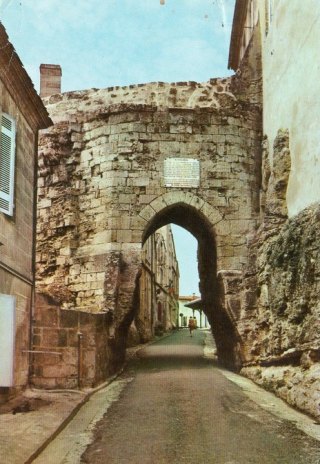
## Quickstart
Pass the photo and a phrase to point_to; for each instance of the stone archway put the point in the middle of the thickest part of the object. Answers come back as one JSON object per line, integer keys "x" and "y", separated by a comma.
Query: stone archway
{"x": 180, "y": 197}
{"x": 202, "y": 221}
{"x": 108, "y": 331}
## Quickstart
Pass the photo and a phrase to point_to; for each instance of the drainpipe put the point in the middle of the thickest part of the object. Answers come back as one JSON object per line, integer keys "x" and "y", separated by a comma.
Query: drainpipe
{"x": 80, "y": 336}
{"x": 33, "y": 251}
{"x": 152, "y": 285}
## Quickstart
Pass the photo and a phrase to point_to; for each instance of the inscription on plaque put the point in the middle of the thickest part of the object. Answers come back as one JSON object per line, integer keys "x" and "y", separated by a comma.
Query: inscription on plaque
{"x": 181, "y": 172}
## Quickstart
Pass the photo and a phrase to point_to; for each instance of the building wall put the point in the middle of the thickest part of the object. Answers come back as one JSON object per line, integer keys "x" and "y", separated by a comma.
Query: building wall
{"x": 166, "y": 278}
{"x": 159, "y": 285}
{"x": 291, "y": 94}
{"x": 18, "y": 100}
{"x": 289, "y": 37}
{"x": 16, "y": 233}
{"x": 16, "y": 237}
{"x": 279, "y": 310}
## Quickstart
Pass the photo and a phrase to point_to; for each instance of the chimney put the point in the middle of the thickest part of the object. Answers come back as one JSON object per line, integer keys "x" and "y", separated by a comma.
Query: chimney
{"x": 50, "y": 79}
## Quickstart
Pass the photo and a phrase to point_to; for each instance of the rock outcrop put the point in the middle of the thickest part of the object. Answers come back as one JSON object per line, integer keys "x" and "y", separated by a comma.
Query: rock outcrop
{"x": 281, "y": 308}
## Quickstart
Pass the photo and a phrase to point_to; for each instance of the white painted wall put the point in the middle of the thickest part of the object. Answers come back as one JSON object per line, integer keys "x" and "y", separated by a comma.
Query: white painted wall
{"x": 291, "y": 68}
{"x": 7, "y": 338}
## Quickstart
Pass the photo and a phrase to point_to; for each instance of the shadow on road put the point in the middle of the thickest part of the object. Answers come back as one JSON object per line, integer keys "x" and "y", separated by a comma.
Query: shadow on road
{"x": 178, "y": 351}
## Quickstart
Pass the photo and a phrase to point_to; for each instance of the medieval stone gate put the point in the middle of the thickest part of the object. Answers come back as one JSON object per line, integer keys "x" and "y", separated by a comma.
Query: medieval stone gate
{"x": 121, "y": 162}
{"x": 118, "y": 164}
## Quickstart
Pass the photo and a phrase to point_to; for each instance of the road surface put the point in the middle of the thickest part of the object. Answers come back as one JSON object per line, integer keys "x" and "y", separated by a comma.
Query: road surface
{"x": 173, "y": 406}
{"x": 176, "y": 408}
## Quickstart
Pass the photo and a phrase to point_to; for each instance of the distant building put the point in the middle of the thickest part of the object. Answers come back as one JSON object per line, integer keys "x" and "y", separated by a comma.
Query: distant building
{"x": 191, "y": 306}
{"x": 22, "y": 115}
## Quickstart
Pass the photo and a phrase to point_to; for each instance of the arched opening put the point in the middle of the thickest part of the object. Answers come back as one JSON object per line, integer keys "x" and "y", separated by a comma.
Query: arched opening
{"x": 195, "y": 222}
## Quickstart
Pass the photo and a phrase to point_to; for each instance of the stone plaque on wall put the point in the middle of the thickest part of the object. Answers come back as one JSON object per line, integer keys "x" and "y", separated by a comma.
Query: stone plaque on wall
{"x": 181, "y": 172}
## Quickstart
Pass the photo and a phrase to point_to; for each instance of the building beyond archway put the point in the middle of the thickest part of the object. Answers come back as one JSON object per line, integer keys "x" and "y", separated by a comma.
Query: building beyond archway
{"x": 157, "y": 309}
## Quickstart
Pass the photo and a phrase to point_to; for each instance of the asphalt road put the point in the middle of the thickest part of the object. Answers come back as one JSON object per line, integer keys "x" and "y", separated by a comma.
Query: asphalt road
{"x": 176, "y": 408}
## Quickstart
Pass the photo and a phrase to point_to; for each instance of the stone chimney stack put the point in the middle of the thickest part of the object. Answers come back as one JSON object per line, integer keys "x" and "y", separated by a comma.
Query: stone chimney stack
{"x": 50, "y": 79}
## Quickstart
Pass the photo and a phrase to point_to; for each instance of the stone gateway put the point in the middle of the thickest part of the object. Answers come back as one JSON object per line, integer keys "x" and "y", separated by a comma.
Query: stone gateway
{"x": 117, "y": 165}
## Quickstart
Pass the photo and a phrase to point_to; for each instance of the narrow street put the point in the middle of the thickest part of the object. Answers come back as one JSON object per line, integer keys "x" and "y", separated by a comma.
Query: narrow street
{"x": 171, "y": 405}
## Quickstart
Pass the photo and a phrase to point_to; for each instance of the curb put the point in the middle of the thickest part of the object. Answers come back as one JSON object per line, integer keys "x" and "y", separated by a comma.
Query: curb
{"x": 68, "y": 419}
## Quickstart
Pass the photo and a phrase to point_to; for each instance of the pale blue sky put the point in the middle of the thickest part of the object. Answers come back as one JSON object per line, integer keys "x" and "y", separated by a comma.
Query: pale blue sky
{"x": 102, "y": 43}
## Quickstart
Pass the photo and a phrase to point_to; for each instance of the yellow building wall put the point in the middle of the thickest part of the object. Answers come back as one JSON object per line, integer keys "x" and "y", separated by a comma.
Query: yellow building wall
{"x": 159, "y": 285}
{"x": 16, "y": 232}
{"x": 16, "y": 238}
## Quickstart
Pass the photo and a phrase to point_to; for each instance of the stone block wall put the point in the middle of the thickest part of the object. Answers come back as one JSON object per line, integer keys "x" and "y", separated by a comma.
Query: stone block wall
{"x": 102, "y": 191}
{"x": 71, "y": 348}
{"x": 99, "y": 173}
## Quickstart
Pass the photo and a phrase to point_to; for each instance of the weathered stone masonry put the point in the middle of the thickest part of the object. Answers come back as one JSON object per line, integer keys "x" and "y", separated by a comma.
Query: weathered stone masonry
{"x": 281, "y": 293}
{"x": 279, "y": 330}
{"x": 101, "y": 193}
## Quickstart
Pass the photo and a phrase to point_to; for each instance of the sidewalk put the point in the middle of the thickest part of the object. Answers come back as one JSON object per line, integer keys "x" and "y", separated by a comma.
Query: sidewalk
{"x": 29, "y": 422}
{"x": 34, "y": 419}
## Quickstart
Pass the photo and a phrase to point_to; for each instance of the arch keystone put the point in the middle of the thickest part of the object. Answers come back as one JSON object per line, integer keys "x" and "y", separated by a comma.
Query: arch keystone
{"x": 172, "y": 198}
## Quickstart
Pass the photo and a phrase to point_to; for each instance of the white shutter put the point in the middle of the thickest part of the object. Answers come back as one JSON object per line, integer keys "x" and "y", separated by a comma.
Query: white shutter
{"x": 7, "y": 158}
{"x": 7, "y": 340}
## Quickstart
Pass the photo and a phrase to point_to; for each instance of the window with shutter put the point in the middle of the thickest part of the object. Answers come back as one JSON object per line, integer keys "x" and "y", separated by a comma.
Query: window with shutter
{"x": 7, "y": 158}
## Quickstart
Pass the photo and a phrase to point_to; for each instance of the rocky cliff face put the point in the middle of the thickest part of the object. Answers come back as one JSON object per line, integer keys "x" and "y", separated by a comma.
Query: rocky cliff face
{"x": 285, "y": 325}
{"x": 281, "y": 324}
